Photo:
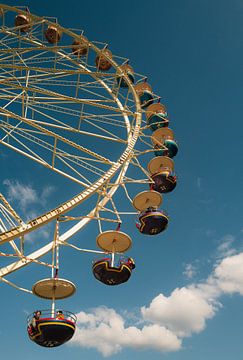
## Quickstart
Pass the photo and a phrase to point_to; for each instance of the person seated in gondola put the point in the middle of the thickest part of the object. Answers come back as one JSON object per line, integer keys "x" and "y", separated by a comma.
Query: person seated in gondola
{"x": 128, "y": 261}
{"x": 32, "y": 328}
{"x": 52, "y": 329}
{"x": 113, "y": 274}
{"x": 60, "y": 315}
{"x": 122, "y": 261}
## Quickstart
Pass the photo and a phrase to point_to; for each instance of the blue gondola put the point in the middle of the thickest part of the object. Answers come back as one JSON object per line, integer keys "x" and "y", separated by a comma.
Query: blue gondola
{"x": 50, "y": 331}
{"x": 157, "y": 121}
{"x": 164, "y": 142}
{"x": 146, "y": 98}
{"x": 145, "y": 94}
{"x": 113, "y": 275}
{"x": 170, "y": 151}
{"x": 129, "y": 72}
{"x": 156, "y": 115}
{"x": 152, "y": 221}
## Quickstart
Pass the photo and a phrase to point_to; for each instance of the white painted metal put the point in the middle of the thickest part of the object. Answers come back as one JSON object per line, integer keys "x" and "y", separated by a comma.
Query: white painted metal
{"x": 120, "y": 165}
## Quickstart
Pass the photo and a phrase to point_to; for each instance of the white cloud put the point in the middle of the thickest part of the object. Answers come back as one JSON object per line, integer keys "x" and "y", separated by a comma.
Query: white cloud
{"x": 229, "y": 274}
{"x": 183, "y": 312}
{"x": 105, "y": 330}
{"x": 44, "y": 232}
{"x": 46, "y": 192}
{"x": 166, "y": 320}
{"x": 190, "y": 271}
{"x": 225, "y": 247}
{"x": 23, "y": 194}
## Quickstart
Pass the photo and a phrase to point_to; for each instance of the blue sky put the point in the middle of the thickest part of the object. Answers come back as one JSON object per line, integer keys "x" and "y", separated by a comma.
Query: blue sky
{"x": 184, "y": 299}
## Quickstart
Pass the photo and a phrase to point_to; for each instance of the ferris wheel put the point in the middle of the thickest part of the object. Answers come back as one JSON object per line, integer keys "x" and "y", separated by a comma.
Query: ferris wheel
{"x": 82, "y": 113}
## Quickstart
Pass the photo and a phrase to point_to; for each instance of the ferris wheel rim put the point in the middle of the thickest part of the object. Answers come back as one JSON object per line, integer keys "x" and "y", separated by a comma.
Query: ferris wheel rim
{"x": 122, "y": 164}
{"x": 63, "y": 208}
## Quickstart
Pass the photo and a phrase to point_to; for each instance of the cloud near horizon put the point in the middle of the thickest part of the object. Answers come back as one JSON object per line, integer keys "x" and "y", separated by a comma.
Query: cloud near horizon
{"x": 164, "y": 323}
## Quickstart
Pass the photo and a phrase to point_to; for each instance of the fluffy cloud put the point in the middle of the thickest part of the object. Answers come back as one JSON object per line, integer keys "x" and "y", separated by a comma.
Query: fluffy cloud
{"x": 105, "y": 330}
{"x": 229, "y": 274}
{"x": 166, "y": 320}
{"x": 23, "y": 194}
{"x": 26, "y": 195}
{"x": 183, "y": 312}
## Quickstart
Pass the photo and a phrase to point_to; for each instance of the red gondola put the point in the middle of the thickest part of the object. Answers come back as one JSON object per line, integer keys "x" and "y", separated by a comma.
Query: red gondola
{"x": 152, "y": 221}
{"x": 101, "y": 61}
{"x": 53, "y": 34}
{"x": 109, "y": 274}
{"x": 161, "y": 169}
{"x": 49, "y": 330}
{"x": 164, "y": 182}
{"x": 80, "y": 47}
{"x": 23, "y": 22}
